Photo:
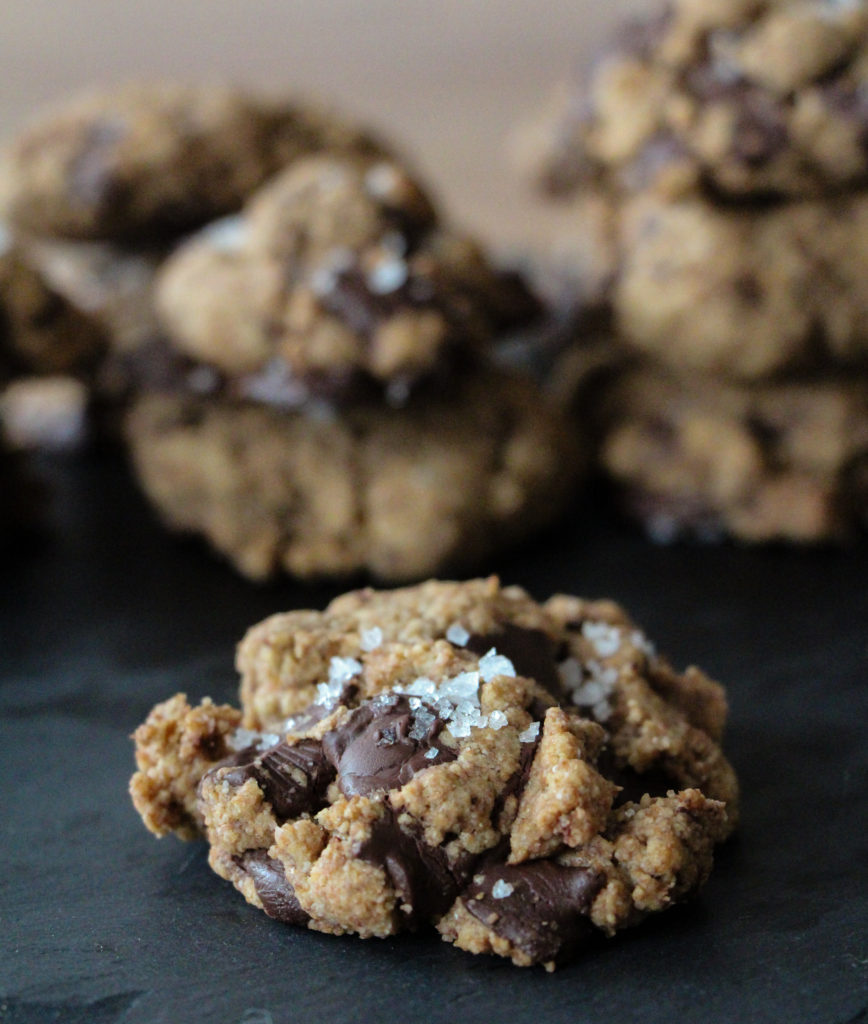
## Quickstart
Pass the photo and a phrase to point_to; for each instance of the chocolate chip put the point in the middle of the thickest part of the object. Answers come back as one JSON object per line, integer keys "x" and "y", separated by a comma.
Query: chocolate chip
{"x": 383, "y": 744}
{"x": 423, "y": 876}
{"x": 293, "y": 779}
{"x": 532, "y": 652}
{"x": 269, "y": 878}
{"x": 540, "y": 907}
{"x": 315, "y": 713}
{"x": 760, "y": 133}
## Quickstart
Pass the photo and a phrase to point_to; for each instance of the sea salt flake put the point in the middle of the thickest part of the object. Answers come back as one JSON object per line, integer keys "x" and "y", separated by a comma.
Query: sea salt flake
{"x": 530, "y": 733}
{"x": 463, "y": 687}
{"x": 457, "y": 635}
{"x": 241, "y": 739}
{"x": 497, "y": 720}
{"x": 571, "y": 674}
{"x": 602, "y": 711}
{"x": 431, "y": 753}
{"x": 460, "y": 728}
{"x": 590, "y": 693}
{"x": 605, "y": 639}
{"x": 371, "y": 638}
{"x": 492, "y": 665}
{"x": 500, "y": 890}
{"x": 387, "y": 276}
{"x": 422, "y": 723}
{"x": 341, "y": 670}
{"x": 421, "y": 687}
{"x": 642, "y": 643}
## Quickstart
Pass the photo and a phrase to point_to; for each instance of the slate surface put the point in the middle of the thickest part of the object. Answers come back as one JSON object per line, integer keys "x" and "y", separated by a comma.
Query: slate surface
{"x": 104, "y": 925}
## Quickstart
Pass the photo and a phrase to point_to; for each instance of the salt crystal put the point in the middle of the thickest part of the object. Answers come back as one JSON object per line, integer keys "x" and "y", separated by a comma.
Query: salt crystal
{"x": 421, "y": 687}
{"x": 602, "y": 711}
{"x": 500, "y": 890}
{"x": 241, "y": 739}
{"x": 589, "y": 693}
{"x": 464, "y": 686}
{"x": 460, "y": 728}
{"x": 570, "y": 672}
{"x": 431, "y": 754}
{"x": 457, "y": 635}
{"x": 371, "y": 638}
{"x": 605, "y": 639}
{"x": 530, "y": 733}
{"x": 640, "y": 641}
{"x": 492, "y": 665}
{"x": 497, "y": 720}
{"x": 422, "y": 724}
{"x": 387, "y": 276}
{"x": 383, "y": 180}
{"x": 341, "y": 670}
{"x": 228, "y": 234}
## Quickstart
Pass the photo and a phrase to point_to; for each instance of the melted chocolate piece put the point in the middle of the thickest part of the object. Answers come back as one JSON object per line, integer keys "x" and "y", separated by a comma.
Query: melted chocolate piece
{"x": 383, "y": 744}
{"x": 544, "y": 914}
{"x": 518, "y": 780}
{"x": 422, "y": 875}
{"x": 278, "y": 896}
{"x": 293, "y": 779}
{"x": 532, "y": 652}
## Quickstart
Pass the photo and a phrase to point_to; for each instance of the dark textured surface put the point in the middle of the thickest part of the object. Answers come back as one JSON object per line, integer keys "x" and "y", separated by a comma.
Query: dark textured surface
{"x": 103, "y": 924}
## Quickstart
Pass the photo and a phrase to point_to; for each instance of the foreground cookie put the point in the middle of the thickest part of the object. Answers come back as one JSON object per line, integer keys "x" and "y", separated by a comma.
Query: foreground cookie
{"x": 739, "y": 97}
{"x": 519, "y": 775}
{"x": 461, "y": 471}
{"x": 782, "y": 461}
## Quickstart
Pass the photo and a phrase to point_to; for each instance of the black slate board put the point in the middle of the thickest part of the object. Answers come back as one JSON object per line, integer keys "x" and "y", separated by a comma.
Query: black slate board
{"x": 102, "y": 924}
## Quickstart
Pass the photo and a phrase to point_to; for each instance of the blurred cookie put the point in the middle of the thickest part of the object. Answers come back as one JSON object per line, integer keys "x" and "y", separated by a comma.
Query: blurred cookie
{"x": 742, "y": 98}
{"x": 337, "y": 271}
{"x": 744, "y": 293}
{"x": 782, "y": 461}
{"x": 41, "y": 331}
{"x": 146, "y": 161}
{"x": 464, "y": 469}
{"x": 522, "y": 776}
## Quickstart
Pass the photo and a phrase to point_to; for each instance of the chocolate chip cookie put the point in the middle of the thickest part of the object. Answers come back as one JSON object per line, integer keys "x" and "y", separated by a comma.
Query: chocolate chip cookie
{"x": 468, "y": 466}
{"x": 522, "y": 776}
{"x": 784, "y": 461}
{"x": 144, "y": 161}
{"x": 740, "y": 98}
{"x": 743, "y": 293}
{"x": 337, "y": 272}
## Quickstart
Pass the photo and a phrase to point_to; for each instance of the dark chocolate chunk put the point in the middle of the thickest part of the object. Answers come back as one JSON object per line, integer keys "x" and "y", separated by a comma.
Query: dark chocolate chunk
{"x": 278, "y": 896}
{"x": 316, "y": 712}
{"x": 425, "y": 879}
{"x": 532, "y": 652}
{"x": 293, "y": 779}
{"x": 544, "y": 907}
{"x": 383, "y": 744}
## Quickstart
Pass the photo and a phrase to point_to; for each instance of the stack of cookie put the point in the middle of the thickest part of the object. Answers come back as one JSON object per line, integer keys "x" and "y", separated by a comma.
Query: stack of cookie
{"x": 329, "y": 408}
{"x": 726, "y": 144}
{"x": 307, "y": 381}
{"x": 97, "y": 192}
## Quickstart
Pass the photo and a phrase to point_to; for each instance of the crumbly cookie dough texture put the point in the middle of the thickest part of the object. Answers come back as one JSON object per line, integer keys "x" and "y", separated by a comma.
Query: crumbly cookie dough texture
{"x": 728, "y": 142}
{"x": 520, "y": 775}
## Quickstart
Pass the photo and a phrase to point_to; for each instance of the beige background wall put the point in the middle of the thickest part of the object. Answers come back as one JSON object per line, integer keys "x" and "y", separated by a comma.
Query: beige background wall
{"x": 448, "y": 80}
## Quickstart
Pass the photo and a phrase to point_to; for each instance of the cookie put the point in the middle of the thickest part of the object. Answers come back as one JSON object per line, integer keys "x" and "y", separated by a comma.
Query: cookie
{"x": 337, "y": 272}
{"x": 467, "y": 467}
{"x": 41, "y": 331}
{"x": 743, "y": 293}
{"x": 784, "y": 461}
{"x": 146, "y": 161}
{"x": 738, "y": 98}
{"x": 522, "y": 776}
